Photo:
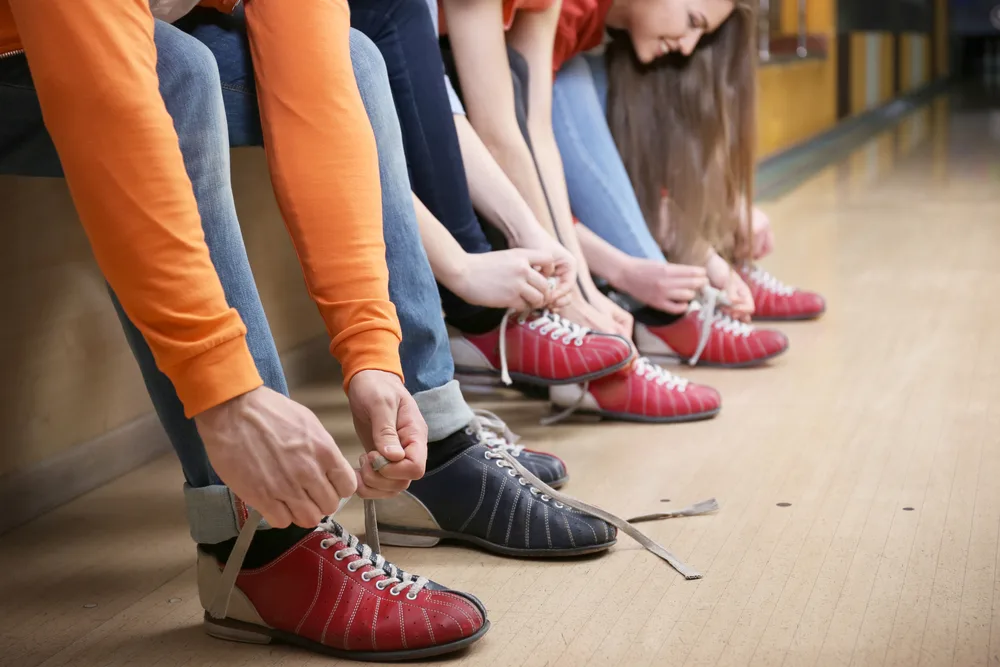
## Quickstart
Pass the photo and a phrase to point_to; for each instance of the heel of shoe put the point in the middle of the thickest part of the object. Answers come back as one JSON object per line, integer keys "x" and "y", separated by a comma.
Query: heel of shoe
{"x": 407, "y": 540}
{"x": 234, "y": 631}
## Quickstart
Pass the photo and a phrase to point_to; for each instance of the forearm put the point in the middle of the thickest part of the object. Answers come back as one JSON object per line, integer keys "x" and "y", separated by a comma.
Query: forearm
{"x": 494, "y": 196}
{"x": 94, "y": 67}
{"x": 604, "y": 259}
{"x": 444, "y": 253}
{"x": 551, "y": 169}
{"x": 324, "y": 167}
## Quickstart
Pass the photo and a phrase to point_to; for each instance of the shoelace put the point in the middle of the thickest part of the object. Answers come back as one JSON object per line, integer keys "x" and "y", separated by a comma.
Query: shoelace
{"x": 547, "y": 323}
{"x": 494, "y": 433}
{"x": 219, "y": 606}
{"x": 712, "y": 318}
{"x": 770, "y": 283}
{"x": 659, "y": 375}
{"x": 544, "y": 492}
{"x": 641, "y": 366}
{"x": 378, "y": 567}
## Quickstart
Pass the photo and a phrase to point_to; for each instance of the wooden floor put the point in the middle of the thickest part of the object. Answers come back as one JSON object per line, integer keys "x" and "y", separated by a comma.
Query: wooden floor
{"x": 859, "y": 476}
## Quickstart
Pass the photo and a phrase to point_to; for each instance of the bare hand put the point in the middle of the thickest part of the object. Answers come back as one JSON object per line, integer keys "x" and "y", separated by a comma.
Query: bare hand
{"x": 564, "y": 268}
{"x": 667, "y": 287}
{"x": 585, "y": 314}
{"x": 506, "y": 279}
{"x": 762, "y": 236}
{"x": 277, "y": 457}
{"x": 623, "y": 320}
{"x": 389, "y": 424}
{"x": 740, "y": 297}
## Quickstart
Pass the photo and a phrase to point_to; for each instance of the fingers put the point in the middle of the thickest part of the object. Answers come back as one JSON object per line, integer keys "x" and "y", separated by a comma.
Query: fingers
{"x": 305, "y": 513}
{"x": 413, "y": 435}
{"x": 532, "y": 298}
{"x": 276, "y": 513}
{"x": 678, "y": 307}
{"x": 382, "y": 414}
{"x": 341, "y": 475}
{"x": 374, "y": 484}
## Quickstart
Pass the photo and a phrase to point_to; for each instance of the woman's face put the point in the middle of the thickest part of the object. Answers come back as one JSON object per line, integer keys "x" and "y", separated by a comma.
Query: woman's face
{"x": 659, "y": 27}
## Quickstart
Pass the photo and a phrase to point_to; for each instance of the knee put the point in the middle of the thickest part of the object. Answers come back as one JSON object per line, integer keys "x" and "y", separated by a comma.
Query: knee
{"x": 373, "y": 81}
{"x": 183, "y": 62}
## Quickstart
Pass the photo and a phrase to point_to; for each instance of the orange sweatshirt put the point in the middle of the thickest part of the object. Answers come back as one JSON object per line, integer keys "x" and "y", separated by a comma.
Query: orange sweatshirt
{"x": 94, "y": 67}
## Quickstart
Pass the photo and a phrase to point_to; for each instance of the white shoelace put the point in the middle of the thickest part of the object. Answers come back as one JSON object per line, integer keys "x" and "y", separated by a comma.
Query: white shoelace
{"x": 661, "y": 376}
{"x": 547, "y": 324}
{"x": 494, "y": 433}
{"x": 378, "y": 567}
{"x": 712, "y": 318}
{"x": 643, "y": 367}
{"x": 545, "y": 493}
{"x": 219, "y": 606}
{"x": 770, "y": 283}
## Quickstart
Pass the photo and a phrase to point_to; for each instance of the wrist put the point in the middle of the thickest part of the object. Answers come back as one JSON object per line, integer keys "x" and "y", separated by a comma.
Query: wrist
{"x": 718, "y": 271}
{"x": 455, "y": 274}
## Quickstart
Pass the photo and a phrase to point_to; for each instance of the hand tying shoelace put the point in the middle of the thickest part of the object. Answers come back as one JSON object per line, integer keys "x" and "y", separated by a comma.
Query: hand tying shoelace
{"x": 710, "y": 301}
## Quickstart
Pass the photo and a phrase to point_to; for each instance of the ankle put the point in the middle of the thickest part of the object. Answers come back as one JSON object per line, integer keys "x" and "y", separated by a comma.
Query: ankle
{"x": 267, "y": 546}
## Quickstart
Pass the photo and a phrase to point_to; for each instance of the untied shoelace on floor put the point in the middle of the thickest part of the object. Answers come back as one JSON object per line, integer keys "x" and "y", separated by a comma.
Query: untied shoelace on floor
{"x": 219, "y": 606}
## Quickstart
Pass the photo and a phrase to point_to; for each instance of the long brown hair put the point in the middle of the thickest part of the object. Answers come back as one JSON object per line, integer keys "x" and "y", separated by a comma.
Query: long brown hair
{"x": 685, "y": 126}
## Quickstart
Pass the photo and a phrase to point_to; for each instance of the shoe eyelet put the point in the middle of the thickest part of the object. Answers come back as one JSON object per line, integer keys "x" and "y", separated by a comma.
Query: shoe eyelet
{"x": 393, "y": 592}
{"x": 338, "y": 557}
{"x": 378, "y": 585}
{"x": 365, "y": 578}
{"x": 512, "y": 472}
{"x": 325, "y": 544}
{"x": 522, "y": 482}
{"x": 499, "y": 463}
{"x": 351, "y": 568}
{"x": 411, "y": 597}
{"x": 578, "y": 342}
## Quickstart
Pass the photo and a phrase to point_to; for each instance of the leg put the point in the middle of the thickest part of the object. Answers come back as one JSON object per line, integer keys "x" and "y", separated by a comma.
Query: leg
{"x": 599, "y": 187}
{"x": 189, "y": 84}
{"x": 425, "y": 351}
{"x": 405, "y": 36}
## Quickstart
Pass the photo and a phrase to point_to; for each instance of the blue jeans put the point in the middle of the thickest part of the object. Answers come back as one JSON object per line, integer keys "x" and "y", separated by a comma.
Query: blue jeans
{"x": 405, "y": 35}
{"x": 600, "y": 191}
{"x": 425, "y": 352}
{"x": 189, "y": 85}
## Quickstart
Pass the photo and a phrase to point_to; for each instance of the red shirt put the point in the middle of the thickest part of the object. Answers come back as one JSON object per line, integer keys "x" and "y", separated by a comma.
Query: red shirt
{"x": 581, "y": 24}
{"x": 581, "y": 28}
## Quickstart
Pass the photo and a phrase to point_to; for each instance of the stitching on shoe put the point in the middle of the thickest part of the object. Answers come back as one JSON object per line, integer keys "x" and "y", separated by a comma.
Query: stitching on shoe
{"x": 527, "y": 524}
{"x": 430, "y": 630}
{"x": 510, "y": 522}
{"x": 378, "y": 603}
{"x": 336, "y": 606}
{"x": 482, "y": 496}
{"x": 548, "y": 530}
{"x": 347, "y": 628}
{"x": 319, "y": 588}
{"x": 402, "y": 627}
{"x": 496, "y": 506}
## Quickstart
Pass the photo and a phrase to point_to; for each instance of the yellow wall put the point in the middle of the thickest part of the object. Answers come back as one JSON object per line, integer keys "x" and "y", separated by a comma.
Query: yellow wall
{"x": 68, "y": 373}
{"x": 869, "y": 47}
{"x": 797, "y": 100}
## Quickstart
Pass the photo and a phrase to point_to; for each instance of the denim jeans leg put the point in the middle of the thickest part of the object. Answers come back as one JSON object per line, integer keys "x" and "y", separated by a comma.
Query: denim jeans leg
{"x": 600, "y": 191}
{"x": 189, "y": 84}
{"x": 425, "y": 351}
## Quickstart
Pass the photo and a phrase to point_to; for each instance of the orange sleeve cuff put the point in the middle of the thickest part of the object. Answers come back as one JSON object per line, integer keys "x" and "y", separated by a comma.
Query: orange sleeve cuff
{"x": 370, "y": 350}
{"x": 215, "y": 376}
